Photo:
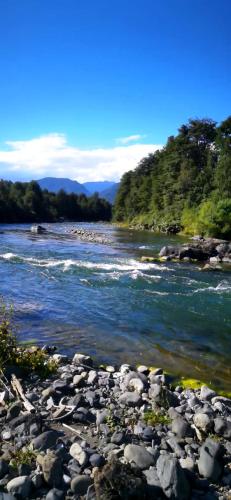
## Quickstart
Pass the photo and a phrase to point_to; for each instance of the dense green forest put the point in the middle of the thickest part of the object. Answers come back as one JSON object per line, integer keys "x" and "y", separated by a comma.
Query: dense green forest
{"x": 184, "y": 186}
{"x": 27, "y": 202}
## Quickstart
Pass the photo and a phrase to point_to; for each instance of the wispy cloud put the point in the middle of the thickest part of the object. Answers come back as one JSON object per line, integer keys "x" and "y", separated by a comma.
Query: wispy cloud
{"x": 51, "y": 155}
{"x": 130, "y": 138}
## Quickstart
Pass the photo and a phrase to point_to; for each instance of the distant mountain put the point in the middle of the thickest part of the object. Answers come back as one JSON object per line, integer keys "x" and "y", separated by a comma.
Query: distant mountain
{"x": 93, "y": 187}
{"x": 54, "y": 184}
{"x": 110, "y": 193}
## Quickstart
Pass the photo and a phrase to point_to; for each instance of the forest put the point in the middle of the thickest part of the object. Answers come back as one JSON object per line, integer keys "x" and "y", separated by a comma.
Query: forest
{"x": 185, "y": 186}
{"x": 27, "y": 202}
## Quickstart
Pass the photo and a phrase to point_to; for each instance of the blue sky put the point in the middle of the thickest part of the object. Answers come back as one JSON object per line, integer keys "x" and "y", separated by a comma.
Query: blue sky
{"x": 76, "y": 77}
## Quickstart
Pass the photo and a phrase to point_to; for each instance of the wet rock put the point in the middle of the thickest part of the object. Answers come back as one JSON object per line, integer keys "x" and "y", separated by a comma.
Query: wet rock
{"x": 172, "y": 478}
{"x": 138, "y": 455}
{"x": 20, "y": 486}
{"x": 210, "y": 463}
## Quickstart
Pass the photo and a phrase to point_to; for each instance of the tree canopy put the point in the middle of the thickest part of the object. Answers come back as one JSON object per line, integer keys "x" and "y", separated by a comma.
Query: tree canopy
{"x": 184, "y": 186}
{"x": 27, "y": 202}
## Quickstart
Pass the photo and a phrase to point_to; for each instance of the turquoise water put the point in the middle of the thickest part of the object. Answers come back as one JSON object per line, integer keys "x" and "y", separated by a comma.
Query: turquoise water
{"x": 102, "y": 300}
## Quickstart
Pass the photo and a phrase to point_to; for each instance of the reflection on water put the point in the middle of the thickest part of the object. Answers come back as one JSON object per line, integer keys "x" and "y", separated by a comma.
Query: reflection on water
{"x": 102, "y": 300}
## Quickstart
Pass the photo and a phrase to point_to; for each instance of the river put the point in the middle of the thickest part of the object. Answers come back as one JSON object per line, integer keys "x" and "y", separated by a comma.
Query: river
{"x": 100, "y": 299}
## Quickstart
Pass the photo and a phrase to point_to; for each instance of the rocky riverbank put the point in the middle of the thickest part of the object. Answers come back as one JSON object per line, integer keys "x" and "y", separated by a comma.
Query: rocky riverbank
{"x": 212, "y": 252}
{"x": 89, "y": 432}
{"x": 90, "y": 236}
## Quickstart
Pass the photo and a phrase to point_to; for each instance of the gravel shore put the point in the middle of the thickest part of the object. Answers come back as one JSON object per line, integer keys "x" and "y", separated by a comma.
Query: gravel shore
{"x": 105, "y": 433}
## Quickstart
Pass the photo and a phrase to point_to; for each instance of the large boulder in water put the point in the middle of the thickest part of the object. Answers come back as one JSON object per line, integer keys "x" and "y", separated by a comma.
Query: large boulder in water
{"x": 169, "y": 251}
{"x": 193, "y": 253}
{"x": 37, "y": 229}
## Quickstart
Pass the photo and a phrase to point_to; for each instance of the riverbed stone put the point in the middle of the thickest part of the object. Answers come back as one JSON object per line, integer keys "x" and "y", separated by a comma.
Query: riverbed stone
{"x": 45, "y": 440}
{"x": 51, "y": 468}
{"x": 78, "y": 454}
{"x": 210, "y": 463}
{"x": 222, "y": 427}
{"x": 80, "y": 484}
{"x": 130, "y": 399}
{"x": 206, "y": 394}
{"x": 82, "y": 359}
{"x": 20, "y": 486}
{"x": 181, "y": 427}
{"x": 172, "y": 478}
{"x": 55, "y": 494}
{"x": 138, "y": 455}
{"x": 203, "y": 422}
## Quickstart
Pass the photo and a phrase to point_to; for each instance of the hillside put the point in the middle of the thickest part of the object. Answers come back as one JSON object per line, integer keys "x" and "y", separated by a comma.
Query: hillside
{"x": 185, "y": 186}
{"x": 110, "y": 193}
{"x": 97, "y": 186}
{"x": 54, "y": 184}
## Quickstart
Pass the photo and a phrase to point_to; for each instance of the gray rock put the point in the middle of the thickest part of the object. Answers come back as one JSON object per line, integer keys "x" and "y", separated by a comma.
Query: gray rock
{"x": 46, "y": 440}
{"x": 162, "y": 396}
{"x": 6, "y": 435}
{"x": 181, "y": 427}
{"x": 51, "y": 468}
{"x": 96, "y": 460}
{"x": 222, "y": 427}
{"x": 4, "y": 468}
{"x": 7, "y": 496}
{"x": 80, "y": 484}
{"x": 81, "y": 359}
{"x": 206, "y": 393}
{"x": 210, "y": 460}
{"x": 136, "y": 384}
{"x": 172, "y": 478}
{"x": 138, "y": 455}
{"x": 78, "y": 454}
{"x": 92, "y": 377}
{"x": 130, "y": 399}
{"x": 187, "y": 463}
{"x": 118, "y": 437}
{"x": 203, "y": 422}
{"x": 55, "y": 494}
{"x": 153, "y": 482}
{"x": 174, "y": 445}
{"x": 14, "y": 410}
{"x": 20, "y": 486}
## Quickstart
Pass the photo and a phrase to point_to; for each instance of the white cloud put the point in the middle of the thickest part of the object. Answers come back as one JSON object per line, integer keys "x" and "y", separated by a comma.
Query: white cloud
{"x": 130, "y": 138}
{"x": 50, "y": 155}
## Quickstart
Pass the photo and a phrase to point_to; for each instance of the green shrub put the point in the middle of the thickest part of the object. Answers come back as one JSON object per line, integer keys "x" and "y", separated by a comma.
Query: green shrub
{"x": 12, "y": 353}
{"x": 155, "y": 418}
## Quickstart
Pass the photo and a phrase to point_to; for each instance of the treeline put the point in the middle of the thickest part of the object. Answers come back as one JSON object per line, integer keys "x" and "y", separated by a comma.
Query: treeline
{"x": 27, "y": 202}
{"x": 184, "y": 186}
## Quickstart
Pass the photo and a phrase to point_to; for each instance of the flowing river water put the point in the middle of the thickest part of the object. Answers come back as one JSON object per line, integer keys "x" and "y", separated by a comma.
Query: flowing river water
{"x": 100, "y": 299}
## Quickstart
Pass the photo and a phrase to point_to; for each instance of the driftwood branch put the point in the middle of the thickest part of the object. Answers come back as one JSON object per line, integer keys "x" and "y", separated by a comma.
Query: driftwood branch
{"x": 75, "y": 431}
{"x": 16, "y": 386}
